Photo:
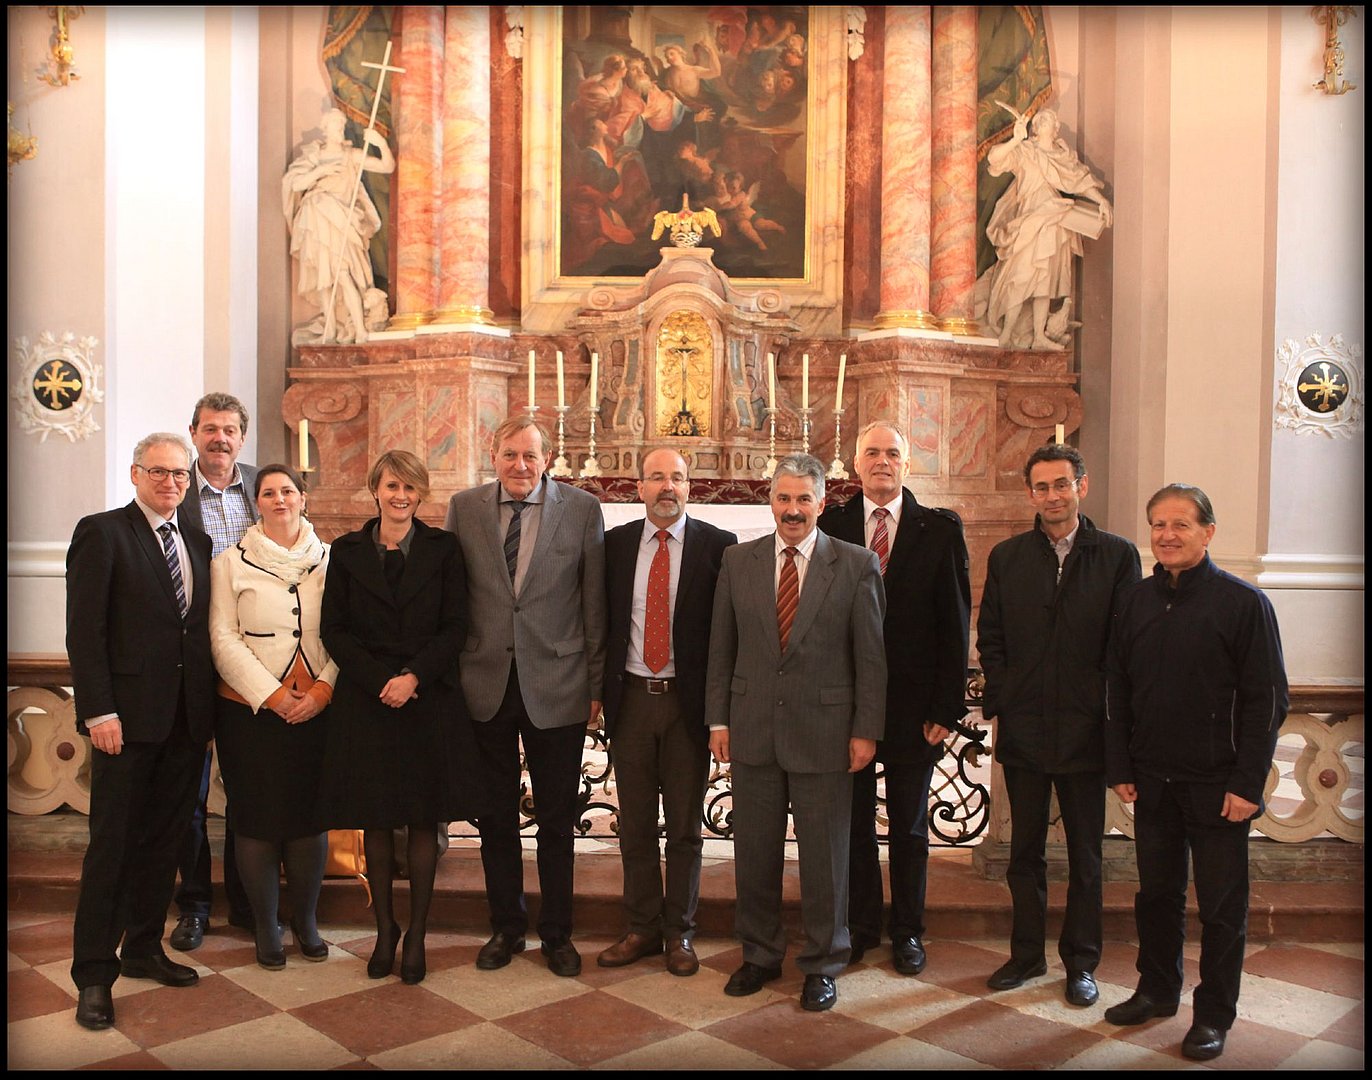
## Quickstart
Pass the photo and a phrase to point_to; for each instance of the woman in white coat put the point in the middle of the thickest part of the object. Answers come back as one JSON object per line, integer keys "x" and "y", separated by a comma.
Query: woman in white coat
{"x": 276, "y": 681}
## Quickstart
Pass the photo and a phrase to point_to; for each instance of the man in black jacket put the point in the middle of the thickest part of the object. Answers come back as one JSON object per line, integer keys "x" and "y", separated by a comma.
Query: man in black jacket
{"x": 1042, "y": 635}
{"x": 660, "y": 578}
{"x": 1197, "y": 696}
{"x": 923, "y": 559}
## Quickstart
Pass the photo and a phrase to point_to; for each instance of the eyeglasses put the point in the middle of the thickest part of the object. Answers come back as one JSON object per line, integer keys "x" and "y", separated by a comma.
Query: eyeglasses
{"x": 181, "y": 476}
{"x": 1057, "y": 487}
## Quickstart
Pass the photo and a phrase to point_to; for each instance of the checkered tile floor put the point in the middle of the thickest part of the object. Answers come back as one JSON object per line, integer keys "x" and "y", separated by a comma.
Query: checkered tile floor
{"x": 1302, "y": 1008}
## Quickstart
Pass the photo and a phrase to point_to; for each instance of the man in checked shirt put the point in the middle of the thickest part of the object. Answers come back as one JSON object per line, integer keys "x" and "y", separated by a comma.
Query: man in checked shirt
{"x": 218, "y": 501}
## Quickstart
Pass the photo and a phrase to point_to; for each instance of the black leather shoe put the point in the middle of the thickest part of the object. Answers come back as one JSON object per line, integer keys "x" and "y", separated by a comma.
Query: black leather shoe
{"x": 1203, "y": 1042}
{"x": 412, "y": 964}
{"x": 1139, "y": 1009}
{"x": 273, "y": 958}
{"x": 159, "y": 969}
{"x": 859, "y": 948}
{"x": 383, "y": 954}
{"x": 189, "y": 934}
{"x": 563, "y": 959}
{"x": 313, "y": 948}
{"x": 819, "y": 994}
{"x": 749, "y": 979}
{"x": 909, "y": 954}
{"x": 1014, "y": 972}
{"x": 1081, "y": 988}
{"x": 496, "y": 953}
{"x": 95, "y": 1008}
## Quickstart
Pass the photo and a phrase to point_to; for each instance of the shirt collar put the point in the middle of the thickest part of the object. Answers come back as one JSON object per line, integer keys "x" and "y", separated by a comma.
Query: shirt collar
{"x": 892, "y": 507}
{"x": 535, "y": 496}
{"x": 677, "y": 530}
{"x": 156, "y": 520}
{"x": 805, "y": 548}
{"x": 201, "y": 483}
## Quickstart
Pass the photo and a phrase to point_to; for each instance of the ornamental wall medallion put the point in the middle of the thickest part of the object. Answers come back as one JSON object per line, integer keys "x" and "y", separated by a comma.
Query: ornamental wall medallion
{"x": 58, "y": 386}
{"x": 1320, "y": 387}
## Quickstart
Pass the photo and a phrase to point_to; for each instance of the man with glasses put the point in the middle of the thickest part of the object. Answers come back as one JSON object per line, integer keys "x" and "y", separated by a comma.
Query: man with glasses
{"x": 219, "y": 502}
{"x": 138, "y": 601}
{"x": 1042, "y": 633}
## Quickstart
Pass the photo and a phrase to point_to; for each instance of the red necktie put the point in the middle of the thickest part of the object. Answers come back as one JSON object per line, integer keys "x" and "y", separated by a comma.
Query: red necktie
{"x": 881, "y": 542}
{"x": 788, "y": 596}
{"x": 657, "y": 628}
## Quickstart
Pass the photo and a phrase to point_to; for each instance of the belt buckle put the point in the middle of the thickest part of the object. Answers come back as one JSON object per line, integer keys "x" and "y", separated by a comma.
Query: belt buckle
{"x": 658, "y": 686}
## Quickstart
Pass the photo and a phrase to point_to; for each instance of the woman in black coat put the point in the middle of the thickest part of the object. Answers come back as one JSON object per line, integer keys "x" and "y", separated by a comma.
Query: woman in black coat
{"x": 394, "y": 619}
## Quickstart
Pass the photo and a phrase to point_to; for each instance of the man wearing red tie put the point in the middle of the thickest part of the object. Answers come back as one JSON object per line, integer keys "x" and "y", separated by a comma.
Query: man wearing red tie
{"x": 660, "y": 586}
{"x": 923, "y": 560}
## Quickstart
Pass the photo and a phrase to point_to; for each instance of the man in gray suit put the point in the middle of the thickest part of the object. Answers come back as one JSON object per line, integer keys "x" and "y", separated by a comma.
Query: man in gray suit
{"x": 532, "y": 669}
{"x": 796, "y": 700}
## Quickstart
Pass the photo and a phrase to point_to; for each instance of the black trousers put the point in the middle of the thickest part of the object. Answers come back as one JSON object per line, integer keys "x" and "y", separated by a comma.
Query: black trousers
{"x": 1169, "y": 818}
{"x": 554, "y": 760}
{"x": 1081, "y": 798}
{"x": 194, "y": 894}
{"x": 655, "y": 754}
{"x": 907, "y": 812}
{"x": 141, "y": 800}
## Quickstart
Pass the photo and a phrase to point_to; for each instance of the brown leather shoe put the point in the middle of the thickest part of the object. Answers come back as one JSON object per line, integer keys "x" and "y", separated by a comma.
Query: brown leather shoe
{"x": 629, "y": 948}
{"x": 681, "y": 958}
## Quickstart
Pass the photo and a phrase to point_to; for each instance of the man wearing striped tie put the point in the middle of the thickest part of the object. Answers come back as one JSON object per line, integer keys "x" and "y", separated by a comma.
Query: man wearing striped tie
{"x": 795, "y": 700}
{"x": 928, "y": 601}
{"x": 138, "y": 590}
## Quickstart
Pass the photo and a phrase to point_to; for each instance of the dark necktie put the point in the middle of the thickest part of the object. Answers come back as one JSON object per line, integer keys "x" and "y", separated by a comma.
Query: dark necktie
{"x": 512, "y": 539}
{"x": 657, "y": 627}
{"x": 788, "y": 596}
{"x": 174, "y": 565}
{"x": 881, "y": 541}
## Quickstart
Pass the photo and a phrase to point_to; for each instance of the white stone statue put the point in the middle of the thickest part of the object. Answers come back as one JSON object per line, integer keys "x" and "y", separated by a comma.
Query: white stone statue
{"x": 328, "y": 237}
{"x": 1036, "y": 228}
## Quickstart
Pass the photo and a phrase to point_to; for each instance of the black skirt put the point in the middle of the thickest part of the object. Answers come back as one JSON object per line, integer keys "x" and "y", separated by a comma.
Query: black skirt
{"x": 271, "y": 770}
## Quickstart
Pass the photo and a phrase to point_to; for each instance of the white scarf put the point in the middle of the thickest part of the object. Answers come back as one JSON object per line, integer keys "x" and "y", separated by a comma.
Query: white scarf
{"x": 291, "y": 565}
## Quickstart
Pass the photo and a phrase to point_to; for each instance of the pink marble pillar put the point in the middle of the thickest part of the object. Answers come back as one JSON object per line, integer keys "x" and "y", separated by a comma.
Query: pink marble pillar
{"x": 418, "y": 171}
{"x": 464, "y": 217}
{"x": 953, "y": 226}
{"x": 905, "y": 178}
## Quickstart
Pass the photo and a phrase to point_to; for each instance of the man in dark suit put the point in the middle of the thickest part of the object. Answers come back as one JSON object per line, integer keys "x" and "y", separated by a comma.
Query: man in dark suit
{"x": 795, "y": 699}
{"x": 532, "y": 671}
{"x": 660, "y": 585}
{"x": 923, "y": 560}
{"x": 138, "y": 600}
{"x": 219, "y": 501}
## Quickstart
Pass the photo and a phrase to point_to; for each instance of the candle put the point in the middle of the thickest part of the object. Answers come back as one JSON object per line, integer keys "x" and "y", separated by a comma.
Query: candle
{"x": 842, "y": 367}
{"x": 804, "y": 380}
{"x": 595, "y": 379}
{"x": 304, "y": 444}
{"x": 1060, "y": 436}
{"x": 771, "y": 380}
{"x": 531, "y": 378}
{"x": 561, "y": 400}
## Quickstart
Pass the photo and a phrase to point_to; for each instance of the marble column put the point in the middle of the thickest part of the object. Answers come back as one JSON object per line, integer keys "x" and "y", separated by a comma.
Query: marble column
{"x": 418, "y": 103}
{"x": 905, "y": 175}
{"x": 953, "y": 225}
{"x": 464, "y": 215}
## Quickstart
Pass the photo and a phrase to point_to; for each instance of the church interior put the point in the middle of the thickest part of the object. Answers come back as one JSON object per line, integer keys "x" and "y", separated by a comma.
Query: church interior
{"x": 788, "y": 231}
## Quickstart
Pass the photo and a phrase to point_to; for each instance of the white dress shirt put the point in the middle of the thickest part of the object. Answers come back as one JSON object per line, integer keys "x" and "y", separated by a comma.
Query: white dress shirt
{"x": 869, "y": 509}
{"x": 805, "y": 550}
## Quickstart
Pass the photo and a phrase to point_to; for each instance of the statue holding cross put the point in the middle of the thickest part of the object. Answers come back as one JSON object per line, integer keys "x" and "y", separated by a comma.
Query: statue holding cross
{"x": 332, "y": 220}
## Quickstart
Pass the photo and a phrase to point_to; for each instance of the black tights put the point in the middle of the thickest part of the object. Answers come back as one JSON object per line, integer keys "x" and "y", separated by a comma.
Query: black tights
{"x": 259, "y": 865}
{"x": 421, "y": 850}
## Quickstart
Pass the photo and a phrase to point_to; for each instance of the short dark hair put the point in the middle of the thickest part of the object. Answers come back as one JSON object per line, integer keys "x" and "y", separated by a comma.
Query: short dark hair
{"x": 217, "y": 402}
{"x": 1056, "y": 452}
{"x": 1192, "y": 494}
{"x": 406, "y": 467}
{"x": 273, "y": 469}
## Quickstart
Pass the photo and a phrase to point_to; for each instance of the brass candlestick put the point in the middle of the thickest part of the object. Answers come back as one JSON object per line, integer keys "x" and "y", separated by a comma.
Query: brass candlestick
{"x": 560, "y": 466}
{"x": 836, "y": 469}
{"x": 772, "y": 451}
{"x": 591, "y": 467}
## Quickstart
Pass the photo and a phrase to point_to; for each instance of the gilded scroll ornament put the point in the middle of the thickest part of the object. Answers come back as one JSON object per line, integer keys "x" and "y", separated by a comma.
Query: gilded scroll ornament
{"x": 685, "y": 375}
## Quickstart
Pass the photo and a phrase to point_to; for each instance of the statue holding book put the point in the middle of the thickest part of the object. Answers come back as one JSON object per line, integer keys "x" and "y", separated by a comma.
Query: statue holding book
{"x": 1036, "y": 229}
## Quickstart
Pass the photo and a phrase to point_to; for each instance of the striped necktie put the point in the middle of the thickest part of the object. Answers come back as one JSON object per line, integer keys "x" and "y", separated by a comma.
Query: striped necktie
{"x": 881, "y": 539}
{"x": 174, "y": 565}
{"x": 788, "y": 596}
{"x": 512, "y": 538}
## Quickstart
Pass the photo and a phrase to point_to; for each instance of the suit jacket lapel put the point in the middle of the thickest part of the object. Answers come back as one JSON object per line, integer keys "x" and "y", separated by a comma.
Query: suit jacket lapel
{"x": 817, "y": 578}
{"x": 761, "y": 584}
{"x": 853, "y": 522}
{"x": 691, "y": 557}
{"x": 548, "y": 522}
{"x": 365, "y": 564}
{"x": 420, "y": 565}
{"x": 151, "y": 544}
{"x": 908, "y": 533}
{"x": 490, "y": 529}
